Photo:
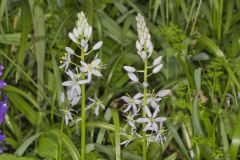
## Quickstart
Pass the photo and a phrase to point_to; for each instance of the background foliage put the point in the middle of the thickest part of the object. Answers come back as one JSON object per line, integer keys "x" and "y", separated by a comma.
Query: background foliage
{"x": 200, "y": 44}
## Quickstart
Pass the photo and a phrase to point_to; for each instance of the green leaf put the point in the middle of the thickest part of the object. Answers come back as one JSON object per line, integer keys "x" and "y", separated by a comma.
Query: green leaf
{"x": 14, "y": 157}
{"x": 178, "y": 139}
{"x": 211, "y": 45}
{"x": 67, "y": 143}
{"x": 47, "y": 147}
{"x": 10, "y": 38}
{"x": 116, "y": 133}
{"x": 21, "y": 150}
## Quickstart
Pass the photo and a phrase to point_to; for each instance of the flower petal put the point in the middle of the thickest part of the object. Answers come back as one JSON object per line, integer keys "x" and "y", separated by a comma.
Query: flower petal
{"x": 67, "y": 83}
{"x": 128, "y": 108}
{"x": 72, "y": 37}
{"x": 96, "y": 62}
{"x": 125, "y": 98}
{"x": 138, "y": 95}
{"x": 160, "y": 119}
{"x": 148, "y": 112}
{"x": 143, "y": 120}
{"x": 138, "y": 46}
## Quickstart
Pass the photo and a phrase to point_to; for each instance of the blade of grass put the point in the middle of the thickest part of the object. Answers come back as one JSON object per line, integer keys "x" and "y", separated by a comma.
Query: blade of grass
{"x": 178, "y": 139}
{"x": 67, "y": 143}
{"x": 211, "y": 45}
{"x": 3, "y": 6}
{"x": 116, "y": 133}
{"x": 26, "y": 26}
{"x": 22, "y": 149}
{"x": 40, "y": 45}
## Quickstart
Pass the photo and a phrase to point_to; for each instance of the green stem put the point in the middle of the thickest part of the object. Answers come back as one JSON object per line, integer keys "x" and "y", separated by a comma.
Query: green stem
{"x": 83, "y": 111}
{"x": 61, "y": 133}
{"x": 143, "y": 113}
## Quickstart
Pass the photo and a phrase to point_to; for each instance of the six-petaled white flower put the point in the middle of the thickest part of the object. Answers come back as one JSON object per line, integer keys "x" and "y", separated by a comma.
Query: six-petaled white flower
{"x": 67, "y": 115}
{"x": 96, "y": 104}
{"x": 74, "y": 84}
{"x": 66, "y": 59}
{"x": 153, "y": 100}
{"x": 133, "y": 102}
{"x": 130, "y": 122}
{"x": 93, "y": 68}
{"x": 152, "y": 120}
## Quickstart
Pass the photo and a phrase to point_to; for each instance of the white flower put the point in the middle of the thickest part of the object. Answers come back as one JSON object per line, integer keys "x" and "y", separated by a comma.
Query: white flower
{"x": 67, "y": 115}
{"x": 130, "y": 122}
{"x": 129, "y": 69}
{"x": 143, "y": 44}
{"x": 82, "y": 32}
{"x": 130, "y": 138}
{"x": 138, "y": 46}
{"x": 97, "y": 45}
{"x": 133, "y": 102}
{"x": 145, "y": 84}
{"x": 66, "y": 58}
{"x": 160, "y": 137}
{"x": 142, "y": 54}
{"x": 153, "y": 100}
{"x": 133, "y": 77}
{"x": 93, "y": 68}
{"x": 157, "y": 61}
{"x": 74, "y": 99}
{"x": 157, "y": 68}
{"x": 73, "y": 37}
{"x": 163, "y": 93}
{"x": 151, "y": 120}
{"x": 150, "y": 138}
{"x": 96, "y": 105}
{"x": 74, "y": 84}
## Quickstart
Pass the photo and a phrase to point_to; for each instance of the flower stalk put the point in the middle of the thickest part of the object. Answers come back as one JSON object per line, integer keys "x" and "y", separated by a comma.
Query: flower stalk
{"x": 145, "y": 105}
{"x": 83, "y": 109}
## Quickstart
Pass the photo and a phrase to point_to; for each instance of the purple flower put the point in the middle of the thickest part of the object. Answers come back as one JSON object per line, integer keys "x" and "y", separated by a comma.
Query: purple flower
{"x": 3, "y": 104}
{"x": 2, "y": 83}
{"x": 1, "y": 69}
{"x": 2, "y": 136}
{"x": 3, "y": 109}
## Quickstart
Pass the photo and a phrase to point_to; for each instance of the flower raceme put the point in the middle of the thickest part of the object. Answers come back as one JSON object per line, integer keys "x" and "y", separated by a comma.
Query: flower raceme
{"x": 80, "y": 35}
{"x": 146, "y": 102}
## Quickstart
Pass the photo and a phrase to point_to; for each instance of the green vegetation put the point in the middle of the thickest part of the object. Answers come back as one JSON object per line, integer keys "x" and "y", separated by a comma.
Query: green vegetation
{"x": 200, "y": 45}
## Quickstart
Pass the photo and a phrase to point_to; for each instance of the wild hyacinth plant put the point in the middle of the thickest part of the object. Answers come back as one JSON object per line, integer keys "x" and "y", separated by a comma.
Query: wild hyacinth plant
{"x": 3, "y": 106}
{"x": 80, "y": 73}
{"x": 144, "y": 107}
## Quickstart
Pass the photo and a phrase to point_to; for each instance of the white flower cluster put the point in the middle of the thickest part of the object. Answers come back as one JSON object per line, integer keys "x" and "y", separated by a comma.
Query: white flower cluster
{"x": 144, "y": 45}
{"x": 134, "y": 105}
{"x": 144, "y": 49}
{"x": 154, "y": 123}
{"x": 74, "y": 69}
